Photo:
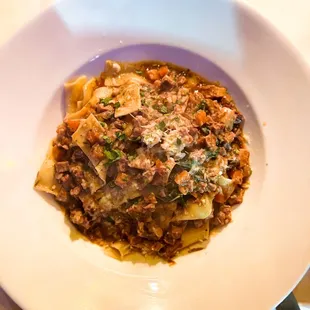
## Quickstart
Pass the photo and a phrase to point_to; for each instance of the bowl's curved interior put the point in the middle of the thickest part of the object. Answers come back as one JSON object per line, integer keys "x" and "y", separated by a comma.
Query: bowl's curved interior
{"x": 262, "y": 253}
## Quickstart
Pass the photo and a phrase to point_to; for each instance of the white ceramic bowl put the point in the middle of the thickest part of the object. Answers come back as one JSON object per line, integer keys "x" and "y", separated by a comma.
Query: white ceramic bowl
{"x": 253, "y": 262}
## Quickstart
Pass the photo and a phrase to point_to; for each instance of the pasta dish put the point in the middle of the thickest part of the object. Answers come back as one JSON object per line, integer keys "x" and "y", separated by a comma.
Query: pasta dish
{"x": 149, "y": 158}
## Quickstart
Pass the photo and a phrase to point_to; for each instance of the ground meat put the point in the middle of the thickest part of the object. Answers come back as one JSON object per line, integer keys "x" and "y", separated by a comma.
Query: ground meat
{"x": 97, "y": 152}
{"x": 62, "y": 196}
{"x": 112, "y": 67}
{"x": 212, "y": 91}
{"x": 236, "y": 197}
{"x": 167, "y": 83}
{"x": 229, "y": 137}
{"x": 79, "y": 156}
{"x": 101, "y": 108}
{"x": 77, "y": 171}
{"x": 153, "y": 74}
{"x": 155, "y": 230}
{"x": 141, "y": 208}
{"x": 63, "y": 138}
{"x": 142, "y": 161}
{"x": 67, "y": 182}
{"x": 77, "y": 217}
{"x": 185, "y": 182}
{"x": 176, "y": 231}
{"x": 181, "y": 80}
{"x": 62, "y": 166}
{"x": 198, "y": 223}
{"x": 222, "y": 217}
{"x": 150, "y": 198}
{"x": 122, "y": 164}
{"x": 75, "y": 191}
{"x": 94, "y": 136}
{"x": 147, "y": 177}
{"x": 103, "y": 116}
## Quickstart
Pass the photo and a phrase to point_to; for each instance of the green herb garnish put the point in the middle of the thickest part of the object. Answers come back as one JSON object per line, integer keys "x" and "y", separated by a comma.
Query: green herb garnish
{"x": 111, "y": 184}
{"x": 120, "y": 135}
{"x": 212, "y": 154}
{"x": 202, "y": 105}
{"x": 206, "y": 130}
{"x": 110, "y": 219}
{"x": 105, "y": 101}
{"x": 132, "y": 156}
{"x": 163, "y": 109}
{"x": 161, "y": 126}
{"x": 179, "y": 141}
{"x": 107, "y": 139}
{"x": 103, "y": 124}
{"x": 135, "y": 139}
{"x": 112, "y": 155}
{"x": 142, "y": 93}
{"x": 117, "y": 105}
{"x": 139, "y": 72}
{"x": 186, "y": 163}
{"x": 160, "y": 108}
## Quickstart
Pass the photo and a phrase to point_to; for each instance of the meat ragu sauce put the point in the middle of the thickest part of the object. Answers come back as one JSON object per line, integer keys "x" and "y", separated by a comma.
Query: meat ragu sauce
{"x": 149, "y": 158}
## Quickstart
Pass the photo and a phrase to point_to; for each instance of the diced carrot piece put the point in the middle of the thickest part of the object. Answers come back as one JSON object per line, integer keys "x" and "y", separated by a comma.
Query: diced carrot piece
{"x": 247, "y": 171}
{"x": 182, "y": 177}
{"x": 163, "y": 71}
{"x": 219, "y": 198}
{"x": 237, "y": 176}
{"x": 59, "y": 154}
{"x": 210, "y": 141}
{"x": 201, "y": 117}
{"x": 244, "y": 156}
{"x": 122, "y": 180}
{"x": 153, "y": 74}
{"x": 73, "y": 124}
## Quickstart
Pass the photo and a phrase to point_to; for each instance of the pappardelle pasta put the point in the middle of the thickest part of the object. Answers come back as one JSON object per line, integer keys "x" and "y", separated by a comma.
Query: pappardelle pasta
{"x": 149, "y": 158}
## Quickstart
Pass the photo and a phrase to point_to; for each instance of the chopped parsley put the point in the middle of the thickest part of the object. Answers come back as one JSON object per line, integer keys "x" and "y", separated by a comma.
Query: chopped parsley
{"x": 105, "y": 101}
{"x": 212, "y": 154}
{"x": 179, "y": 141}
{"x": 202, "y": 105}
{"x": 112, "y": 155}
{"x": 132, "y": 156}
{"x": 134, "y": 139}
{"x": 186, "y": 163}
{"x": 117, "y": 105}
{"x": 177, "y": 119}
{"x": 107, "y": 139}
{"x": 205, "y": 129}
{"x": 139, "y": 72}
{"x": 163, "y": 109}
{"x": 160, "y": 108}
{"x": 110, "y": 219}
{"x": 103, "y": 124}
{"x": 161, "y": 126}
{"x": 142, "y": 93}
{"x": 120, "y": 135}
{"x": 111, "y": 184}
